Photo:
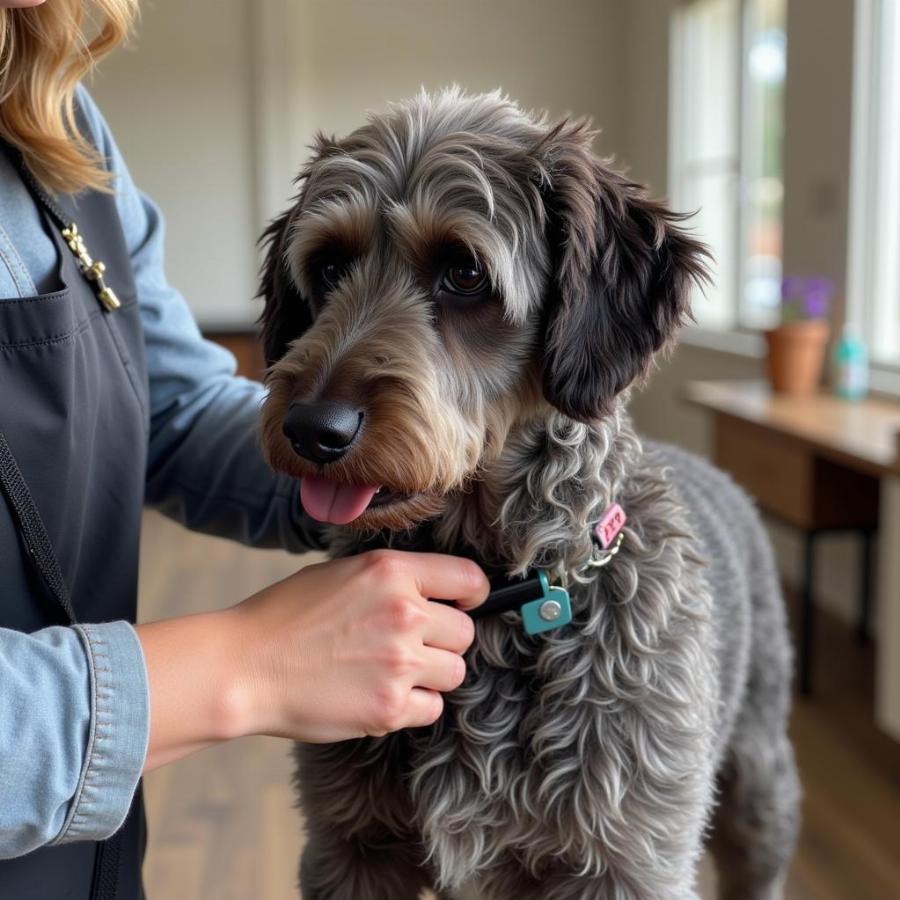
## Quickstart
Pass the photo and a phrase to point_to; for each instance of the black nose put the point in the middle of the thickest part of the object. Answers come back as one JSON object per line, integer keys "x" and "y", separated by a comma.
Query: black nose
{"x": 321, "y": 432}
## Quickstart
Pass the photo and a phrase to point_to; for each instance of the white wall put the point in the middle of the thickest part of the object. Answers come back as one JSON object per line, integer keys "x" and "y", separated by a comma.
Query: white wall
{"x": 218, "y": 103}
{"x": 354, "y": 56}
{"x": 179, "y": 104}
{"x": 645, "y": 39}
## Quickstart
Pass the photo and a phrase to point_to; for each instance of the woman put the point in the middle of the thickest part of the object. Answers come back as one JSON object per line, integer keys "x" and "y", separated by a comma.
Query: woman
{"x": 110, "y": 396}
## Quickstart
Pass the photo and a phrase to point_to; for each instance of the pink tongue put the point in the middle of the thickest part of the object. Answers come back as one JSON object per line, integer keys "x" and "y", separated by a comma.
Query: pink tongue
{"x": 331, "y": 501}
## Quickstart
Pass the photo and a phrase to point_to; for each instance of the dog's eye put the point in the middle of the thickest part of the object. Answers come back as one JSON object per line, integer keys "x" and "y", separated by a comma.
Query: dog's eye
{"x": 329, "y": 271}
{"x": 465, "y": 277}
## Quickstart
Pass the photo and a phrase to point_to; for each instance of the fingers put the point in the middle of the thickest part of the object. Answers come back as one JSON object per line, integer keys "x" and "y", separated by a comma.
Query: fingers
{"x": 440, "y": 670}
{"x": 448, "y": 628}
{"x": 434, "y": 575}
{"x": 423, "y": 708}
{"x": 420, "y": 703}
{"x": 442, "y": 577}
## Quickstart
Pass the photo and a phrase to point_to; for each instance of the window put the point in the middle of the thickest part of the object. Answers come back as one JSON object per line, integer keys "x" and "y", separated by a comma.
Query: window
{"x": 727, "y": 86}
{"x": 873, "y": 288}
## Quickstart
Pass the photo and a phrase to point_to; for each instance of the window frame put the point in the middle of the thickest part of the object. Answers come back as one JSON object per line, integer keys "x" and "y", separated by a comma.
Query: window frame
{"x": 871, "y": 259}
{"x": 738, "y": 206}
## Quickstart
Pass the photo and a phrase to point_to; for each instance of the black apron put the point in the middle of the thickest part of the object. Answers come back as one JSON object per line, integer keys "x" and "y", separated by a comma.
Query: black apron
{"x": 74, "y": 415}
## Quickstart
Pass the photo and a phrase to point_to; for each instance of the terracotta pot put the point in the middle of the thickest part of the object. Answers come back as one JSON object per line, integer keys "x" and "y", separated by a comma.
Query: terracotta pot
{"x": 796, "y": 355}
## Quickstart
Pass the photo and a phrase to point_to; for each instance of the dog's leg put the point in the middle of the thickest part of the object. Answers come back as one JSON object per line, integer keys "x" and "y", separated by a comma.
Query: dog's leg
{"x": 755, "y": 825}
{"x": 360, "y": 846}
{"x": 335, "y": 868}
{"x": 510, "y": 881}
{"x": 758, "y": 817}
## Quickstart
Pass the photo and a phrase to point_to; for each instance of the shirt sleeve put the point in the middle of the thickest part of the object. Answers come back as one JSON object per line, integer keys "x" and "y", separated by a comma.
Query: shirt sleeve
{"x": 206, "y": 467}
{"x": 74, "y": 724}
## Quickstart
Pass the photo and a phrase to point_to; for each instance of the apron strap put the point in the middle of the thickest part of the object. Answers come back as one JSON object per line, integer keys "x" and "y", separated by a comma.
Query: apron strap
{"x": 38, "y": 548}
{"x": 106, "y": 868}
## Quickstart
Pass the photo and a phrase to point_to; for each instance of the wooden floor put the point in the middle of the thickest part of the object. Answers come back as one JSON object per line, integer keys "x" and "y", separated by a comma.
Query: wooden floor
{"x": 222, "y": 823}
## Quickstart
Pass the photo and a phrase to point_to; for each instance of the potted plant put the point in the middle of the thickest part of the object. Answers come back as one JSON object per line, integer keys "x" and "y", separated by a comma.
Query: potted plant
{"x": 797, "y": 347}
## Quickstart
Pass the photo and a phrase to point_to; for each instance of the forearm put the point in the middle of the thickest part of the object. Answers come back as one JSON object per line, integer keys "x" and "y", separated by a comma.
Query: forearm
{"x": 196, "y": 692}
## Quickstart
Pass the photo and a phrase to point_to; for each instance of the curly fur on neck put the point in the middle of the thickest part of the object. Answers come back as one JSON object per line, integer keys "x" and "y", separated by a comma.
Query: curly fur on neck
{"x": 535, "y": 505}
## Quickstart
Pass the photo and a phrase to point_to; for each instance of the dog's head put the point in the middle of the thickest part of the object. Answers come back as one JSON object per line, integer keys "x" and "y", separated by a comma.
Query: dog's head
{"x": 448, "y": 270}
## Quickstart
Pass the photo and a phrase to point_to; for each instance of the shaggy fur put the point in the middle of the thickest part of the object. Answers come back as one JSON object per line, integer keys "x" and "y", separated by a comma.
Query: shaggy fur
{"x": 590, "y": 761}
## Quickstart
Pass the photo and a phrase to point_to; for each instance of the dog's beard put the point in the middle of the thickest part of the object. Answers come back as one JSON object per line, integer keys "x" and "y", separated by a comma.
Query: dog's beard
{"x": 401, "y": 514}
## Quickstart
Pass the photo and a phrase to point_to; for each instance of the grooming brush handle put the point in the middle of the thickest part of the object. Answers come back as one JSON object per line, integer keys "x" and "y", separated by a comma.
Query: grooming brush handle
{"x": 509, "y": 596}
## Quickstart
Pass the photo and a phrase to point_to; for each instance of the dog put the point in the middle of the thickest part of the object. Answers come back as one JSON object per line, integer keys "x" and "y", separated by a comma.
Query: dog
{"x": 456, "y": 307}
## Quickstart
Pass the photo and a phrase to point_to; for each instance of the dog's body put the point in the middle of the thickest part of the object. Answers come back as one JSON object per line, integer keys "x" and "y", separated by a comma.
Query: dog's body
{"x": 586, "y": 762}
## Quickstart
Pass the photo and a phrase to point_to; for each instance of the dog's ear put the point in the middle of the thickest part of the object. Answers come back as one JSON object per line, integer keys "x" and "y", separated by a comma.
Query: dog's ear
{"x": 622, "y": 272}
{"x": 286, "y": 314}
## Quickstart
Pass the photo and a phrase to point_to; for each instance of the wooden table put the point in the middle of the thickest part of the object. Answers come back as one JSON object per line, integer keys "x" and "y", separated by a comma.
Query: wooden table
{"x": 820, "y": 464}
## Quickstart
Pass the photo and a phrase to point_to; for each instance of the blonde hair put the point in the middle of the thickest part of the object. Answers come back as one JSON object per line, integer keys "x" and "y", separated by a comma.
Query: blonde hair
{"x": 44, "y": 53}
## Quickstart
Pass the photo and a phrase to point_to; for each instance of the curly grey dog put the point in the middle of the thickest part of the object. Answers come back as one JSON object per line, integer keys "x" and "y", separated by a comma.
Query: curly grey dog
{"x": 455, "y": 308}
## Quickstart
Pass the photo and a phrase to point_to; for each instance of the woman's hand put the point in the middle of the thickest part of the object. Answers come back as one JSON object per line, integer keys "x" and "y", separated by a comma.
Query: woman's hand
{"x": 339, "y": 650}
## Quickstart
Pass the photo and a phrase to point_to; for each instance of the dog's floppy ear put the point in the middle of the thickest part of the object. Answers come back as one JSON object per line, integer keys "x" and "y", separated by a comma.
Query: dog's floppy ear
{"x": 621, "y": 279}
{"x": 287, "y": 314}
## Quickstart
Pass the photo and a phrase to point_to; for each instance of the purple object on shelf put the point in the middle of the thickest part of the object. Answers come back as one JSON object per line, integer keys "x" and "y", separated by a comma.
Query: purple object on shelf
{"x": 805, "y": 298}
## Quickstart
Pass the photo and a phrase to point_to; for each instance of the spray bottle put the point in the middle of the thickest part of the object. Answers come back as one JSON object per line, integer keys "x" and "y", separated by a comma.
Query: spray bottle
{"x": 850, "y": 365}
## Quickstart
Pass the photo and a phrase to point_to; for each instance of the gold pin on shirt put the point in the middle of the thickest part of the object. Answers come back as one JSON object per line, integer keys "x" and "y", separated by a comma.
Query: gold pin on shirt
{"x": 91, "y": 270}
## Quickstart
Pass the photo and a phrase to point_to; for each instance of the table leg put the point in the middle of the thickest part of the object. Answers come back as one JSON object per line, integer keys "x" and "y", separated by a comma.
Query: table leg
{"x": 865, "y": 587}
{"x": 887, "y": 685}
{"x": 807, "y": 614}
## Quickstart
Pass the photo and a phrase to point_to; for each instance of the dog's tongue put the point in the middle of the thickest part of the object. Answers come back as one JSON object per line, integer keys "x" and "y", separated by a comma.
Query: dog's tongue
{"x": 332, "y": 501}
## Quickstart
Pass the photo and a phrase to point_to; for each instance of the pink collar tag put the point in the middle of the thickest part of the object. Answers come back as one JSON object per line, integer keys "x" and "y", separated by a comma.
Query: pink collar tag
{"x": 608, "y": 528}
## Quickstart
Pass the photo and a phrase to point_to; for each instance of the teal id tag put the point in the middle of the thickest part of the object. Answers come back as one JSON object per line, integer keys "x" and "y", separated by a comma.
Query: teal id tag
{"x": 550, "y": 611}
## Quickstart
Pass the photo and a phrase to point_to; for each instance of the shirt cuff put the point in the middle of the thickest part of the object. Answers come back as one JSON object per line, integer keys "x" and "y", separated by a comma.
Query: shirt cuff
{"x": 119, "y": 731}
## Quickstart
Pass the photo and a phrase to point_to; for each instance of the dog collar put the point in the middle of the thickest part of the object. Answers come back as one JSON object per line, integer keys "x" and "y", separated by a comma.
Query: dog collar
{"x": 544, "y": 606}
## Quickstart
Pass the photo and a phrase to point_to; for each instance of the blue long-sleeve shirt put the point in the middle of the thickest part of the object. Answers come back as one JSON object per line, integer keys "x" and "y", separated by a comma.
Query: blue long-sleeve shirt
{"x": 74, "y": 705}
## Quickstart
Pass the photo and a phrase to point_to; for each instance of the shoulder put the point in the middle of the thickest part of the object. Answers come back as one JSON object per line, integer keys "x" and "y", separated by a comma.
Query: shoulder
{"x": 717, "y": 505}
{"x": 94, "y": 127}
{"x": 689, "y": 468}
{"x": 141, "y": 220}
